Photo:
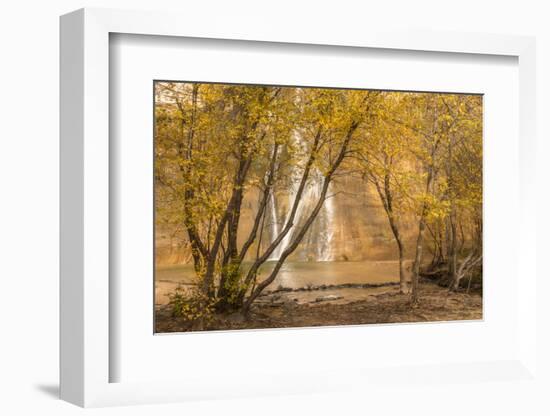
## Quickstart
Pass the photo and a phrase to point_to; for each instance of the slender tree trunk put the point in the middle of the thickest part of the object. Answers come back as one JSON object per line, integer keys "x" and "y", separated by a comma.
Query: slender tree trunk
{"x": 453, "y": 245}
{"x": 198, "y": 249}
{"x": 230, "y": 290}
{"x": 229, "y": 274}
{"x": 420, "y": 241}
{"x": 465, "y": 268}
{"x": 386, "y": 196}
{"x": 252, "y": 272}
{"x": 437, "y": 250}
{"x": 230, "y": 219}
{"x": 452, "y": 217}
{"x": 290, "y": 249}
{"x": 296, "y": 241}
{"x": 403, "y": 284}
{"x": 462, "y": 238}
{"x": 442, "y": 245}
{"x": 417, "y": 260}
{"x": 423, "y": 214}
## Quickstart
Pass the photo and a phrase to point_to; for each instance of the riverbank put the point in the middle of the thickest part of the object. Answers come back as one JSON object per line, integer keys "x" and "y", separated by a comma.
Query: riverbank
{"x": 340, "y": 305}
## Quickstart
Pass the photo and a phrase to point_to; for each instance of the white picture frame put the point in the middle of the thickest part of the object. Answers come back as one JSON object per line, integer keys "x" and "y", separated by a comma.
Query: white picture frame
{"x": 85, "y": 221}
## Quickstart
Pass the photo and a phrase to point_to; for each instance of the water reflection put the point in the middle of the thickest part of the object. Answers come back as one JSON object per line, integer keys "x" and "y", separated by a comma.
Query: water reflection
{"x": 293, "y": 274}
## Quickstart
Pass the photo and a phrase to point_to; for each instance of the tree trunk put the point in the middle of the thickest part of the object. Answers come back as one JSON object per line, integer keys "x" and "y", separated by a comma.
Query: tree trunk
{"x": 289, "y": 249}
{"x": 420, "y": 241}
{"x": 464, "y": 269}
{"x": 252, "y": 272}
{"x": 452, "y": 217}
{"x": 230, "y": 219}
{"x": 417, "y": 260}
{"x": 294, "y": 244}
{"x": 403, "y": 284}
{"x": 453, "y": 245}
{"x": 386, "y": 196}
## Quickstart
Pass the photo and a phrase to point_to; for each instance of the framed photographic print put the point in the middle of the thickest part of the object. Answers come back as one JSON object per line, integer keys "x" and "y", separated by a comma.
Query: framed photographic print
{"x": 287, "y": 212}
{"x": 282, "y": 206}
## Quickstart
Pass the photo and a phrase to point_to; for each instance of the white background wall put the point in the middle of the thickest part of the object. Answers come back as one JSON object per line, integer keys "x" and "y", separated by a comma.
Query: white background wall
{"x": 29, "y": 206}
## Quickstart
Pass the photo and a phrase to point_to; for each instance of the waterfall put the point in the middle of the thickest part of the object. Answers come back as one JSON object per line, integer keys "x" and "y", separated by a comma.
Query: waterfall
{"x": 325, "y": 252}
{"x": 323, "y": 225}
{"x": 274, "y": 226}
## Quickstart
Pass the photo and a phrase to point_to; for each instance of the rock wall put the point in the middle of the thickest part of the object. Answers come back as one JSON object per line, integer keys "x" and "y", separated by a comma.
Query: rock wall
{"x": 352, "y": 226}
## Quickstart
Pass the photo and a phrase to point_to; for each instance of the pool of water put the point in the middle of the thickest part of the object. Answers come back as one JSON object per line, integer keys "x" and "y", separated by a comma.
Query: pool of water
{"x": 292, "y": 274}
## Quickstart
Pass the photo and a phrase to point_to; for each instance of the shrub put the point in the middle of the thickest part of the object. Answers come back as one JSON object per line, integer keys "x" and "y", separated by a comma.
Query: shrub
{"x": 191, "y": 305}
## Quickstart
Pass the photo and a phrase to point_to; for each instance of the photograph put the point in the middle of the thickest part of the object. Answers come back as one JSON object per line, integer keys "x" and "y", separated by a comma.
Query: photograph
{"x": 298, "y": 206}
{"x": 234, "y": 208}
